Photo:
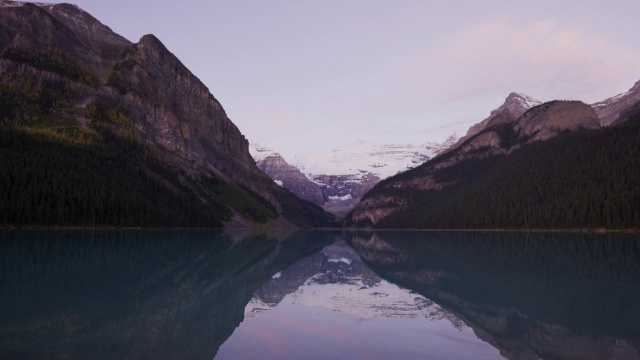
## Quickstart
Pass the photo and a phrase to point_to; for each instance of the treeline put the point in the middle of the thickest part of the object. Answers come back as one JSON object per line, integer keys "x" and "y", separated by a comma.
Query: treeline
{"x": 583, "y": 179}
{"x": 302, "y": 212}
{"x": 56, "y": 170}
{"x": 48, "y": 182}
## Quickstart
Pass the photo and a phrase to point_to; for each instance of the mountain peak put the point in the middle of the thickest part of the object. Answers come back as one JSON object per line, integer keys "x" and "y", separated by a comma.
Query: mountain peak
{"x": 452, "y": 139}
{"x": 151, "y": 39}
{"x": 609, "y": 110}
{"x": 20, "y": 3}
{"x": 61, "y": 7}
{"x": 260, "y": 152}
{"x": 517, "y": 103}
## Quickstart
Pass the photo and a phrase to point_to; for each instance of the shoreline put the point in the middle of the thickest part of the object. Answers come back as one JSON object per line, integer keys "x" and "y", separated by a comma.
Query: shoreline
{"x": 550, "y": 230}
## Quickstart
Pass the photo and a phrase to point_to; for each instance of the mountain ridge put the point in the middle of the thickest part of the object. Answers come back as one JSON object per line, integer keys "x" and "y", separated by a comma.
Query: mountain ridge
{"x": 609, "y": 110}
{"x": 448, "y": 178}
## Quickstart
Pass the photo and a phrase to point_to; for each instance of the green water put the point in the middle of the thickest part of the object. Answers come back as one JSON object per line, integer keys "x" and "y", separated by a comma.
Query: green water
{"x": 200, "y": 294}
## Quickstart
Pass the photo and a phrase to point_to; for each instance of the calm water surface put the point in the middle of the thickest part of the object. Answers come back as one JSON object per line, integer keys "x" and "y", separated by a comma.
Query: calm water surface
{"x": 318, "y": 295}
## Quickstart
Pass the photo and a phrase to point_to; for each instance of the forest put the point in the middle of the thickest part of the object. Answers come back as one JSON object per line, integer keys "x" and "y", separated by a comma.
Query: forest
{"x": 57, "y": 171}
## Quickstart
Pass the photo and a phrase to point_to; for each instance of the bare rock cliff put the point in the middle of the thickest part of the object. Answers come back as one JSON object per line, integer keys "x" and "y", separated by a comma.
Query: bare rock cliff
{"x": 176, "y": 111}
{"x": 41, "y": 29}
{"x": 548, "y": 120}
{"x": 292, "y": 179}
{"x": 610, "y": 110}
{"x": 514, "y": 106}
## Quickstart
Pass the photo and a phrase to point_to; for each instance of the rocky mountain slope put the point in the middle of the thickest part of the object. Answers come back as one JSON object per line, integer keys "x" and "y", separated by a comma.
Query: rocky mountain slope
{"x": 337, "y": 180}
{"x": 65, "y": 72}
{"x": 609, "y": 110}
{"x": 506, "y": 131}
{"x": 287, "y": 176}
{"x": 510, "y": 173}
{"x": 514, "y": 106}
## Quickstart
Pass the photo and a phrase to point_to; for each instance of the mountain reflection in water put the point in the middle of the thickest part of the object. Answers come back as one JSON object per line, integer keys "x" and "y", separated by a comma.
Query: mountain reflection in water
{"x": 133, "y": 294}
{"x": 332, "y": 306}
{"x": 203, "y": 294}
{"x": 532, "y": 296}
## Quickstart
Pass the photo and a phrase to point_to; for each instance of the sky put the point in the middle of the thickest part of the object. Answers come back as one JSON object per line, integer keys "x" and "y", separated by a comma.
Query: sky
{"x": 311, "y": 76}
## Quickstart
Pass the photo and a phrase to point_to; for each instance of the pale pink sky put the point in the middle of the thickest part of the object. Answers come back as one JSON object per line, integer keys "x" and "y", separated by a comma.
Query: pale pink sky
{"x": 303, "y": 76}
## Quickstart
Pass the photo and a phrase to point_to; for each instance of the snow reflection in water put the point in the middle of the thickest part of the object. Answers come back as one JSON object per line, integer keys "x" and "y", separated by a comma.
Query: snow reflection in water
{"x": 331, "y": 305}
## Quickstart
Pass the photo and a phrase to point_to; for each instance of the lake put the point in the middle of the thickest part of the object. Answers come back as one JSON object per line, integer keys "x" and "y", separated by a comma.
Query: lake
{"x": 196, "y": 294}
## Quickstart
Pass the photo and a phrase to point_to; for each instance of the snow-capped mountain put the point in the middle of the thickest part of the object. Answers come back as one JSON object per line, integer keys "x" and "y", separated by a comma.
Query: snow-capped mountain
{"x": 514, "y": 106}
{"x": 343, "y": 176}
{"x": 285, "y": 175}
{"x": 349, "y": 173}
{"x": 381, "y": 161}
{"x": 260, "y": 152}
{"x": 338, "y": 280}
{"x": 516, "y": 103}
{"x": 610, "y": 109}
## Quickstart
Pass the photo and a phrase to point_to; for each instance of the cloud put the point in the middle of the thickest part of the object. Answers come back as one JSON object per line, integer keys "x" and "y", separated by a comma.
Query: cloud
{"x": 544, "y": 59}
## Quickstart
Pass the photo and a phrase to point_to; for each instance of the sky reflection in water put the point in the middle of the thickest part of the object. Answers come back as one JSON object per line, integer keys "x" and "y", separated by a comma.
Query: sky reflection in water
{"x": 202, "y": 294}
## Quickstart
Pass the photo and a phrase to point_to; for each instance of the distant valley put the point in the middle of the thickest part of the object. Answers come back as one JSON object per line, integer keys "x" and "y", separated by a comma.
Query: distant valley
{"x": 338, "y": 179}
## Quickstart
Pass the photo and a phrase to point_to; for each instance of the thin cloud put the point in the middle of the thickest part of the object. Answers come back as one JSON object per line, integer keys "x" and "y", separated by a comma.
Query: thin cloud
{"x": 543, "y": 58}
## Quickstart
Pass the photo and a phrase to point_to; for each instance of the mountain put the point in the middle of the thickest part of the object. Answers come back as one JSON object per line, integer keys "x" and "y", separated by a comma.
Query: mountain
{"x": 357, "y": 161}
{"x": 287, "y": 176}
{"x": 514, "y": 106}
{"x": 337, "y": 180}
{"x": 609, "y": 110}
{"x": 550, "y": 167}
{"x": 127, "y": 133}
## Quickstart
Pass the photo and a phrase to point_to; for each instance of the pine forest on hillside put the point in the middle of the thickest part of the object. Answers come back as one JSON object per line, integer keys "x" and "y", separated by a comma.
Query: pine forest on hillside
{"x": 585, "y": 179}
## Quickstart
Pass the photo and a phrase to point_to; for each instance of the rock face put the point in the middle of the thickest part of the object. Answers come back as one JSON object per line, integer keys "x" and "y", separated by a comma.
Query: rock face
{"x": 504, "y": 132}
{"x": 547, "y": 120}
{"x": 507, "y": 129}
{"x": 39, "y": 28}
{"x": 286, "y": 175}
{"x": 609, "y": 110}
{"x": 177, "y": 112}
{"x": 515, "y": 105}
{"x": 171, "y": 110}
